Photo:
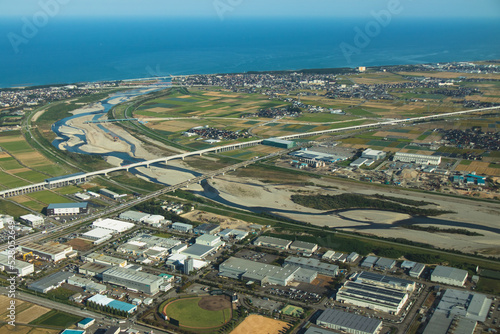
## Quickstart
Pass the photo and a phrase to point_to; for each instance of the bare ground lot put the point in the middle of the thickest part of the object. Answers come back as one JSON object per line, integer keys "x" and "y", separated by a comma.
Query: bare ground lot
{"x": 259, "y": 324}
{"x": 475, "y": 216}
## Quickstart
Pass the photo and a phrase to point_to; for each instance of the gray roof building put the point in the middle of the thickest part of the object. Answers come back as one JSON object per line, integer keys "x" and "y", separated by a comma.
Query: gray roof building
{"x": 449, "y": 275}
{"x": 313, "y": 264}
{"x": 135, "y": 216}
{"x": 132, "y": 279}
{"x": 272, "y": 242}
{"x": 348, "y": 322}
{"x": 385, "y": 264}
{"x": 50, "y": 282}
{"x": 417, "y": 270}
{"x": 369, "y": 261}
{"x": 207, "y": 228}
{"x": 386, "y": 281}
{"x": 93, "y": 269}
{"x": 302, "y": 246}
{"x": 198, "y": 251}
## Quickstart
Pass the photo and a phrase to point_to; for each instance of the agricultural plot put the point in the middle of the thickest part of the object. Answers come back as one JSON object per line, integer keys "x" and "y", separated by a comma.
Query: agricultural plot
{"x": 480, "y": 167}
{"x": 57, "y": 318}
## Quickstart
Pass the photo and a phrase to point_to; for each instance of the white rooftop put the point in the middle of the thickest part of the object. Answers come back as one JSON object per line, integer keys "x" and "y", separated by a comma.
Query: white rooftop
{"x": 113, "y": 224}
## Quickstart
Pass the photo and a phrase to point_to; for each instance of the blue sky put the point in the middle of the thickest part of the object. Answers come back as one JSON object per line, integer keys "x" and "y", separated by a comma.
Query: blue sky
{"x": 252, "y": 8}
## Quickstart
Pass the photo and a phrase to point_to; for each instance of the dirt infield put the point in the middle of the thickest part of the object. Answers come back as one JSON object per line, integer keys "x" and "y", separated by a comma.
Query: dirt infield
{"x": 259, "y": 324}
{"x": 214, "y": 303}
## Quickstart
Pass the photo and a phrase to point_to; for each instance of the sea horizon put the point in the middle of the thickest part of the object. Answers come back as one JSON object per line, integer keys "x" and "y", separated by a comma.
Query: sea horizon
{"x": 91, "y": 50}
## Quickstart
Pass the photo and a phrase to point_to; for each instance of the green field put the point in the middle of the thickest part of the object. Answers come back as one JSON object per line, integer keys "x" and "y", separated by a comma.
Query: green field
{"x": 57, "y": 318}
{"x": 488, "y": 285}
{"x": 48, "y": 197}
{"x": 189, "y": 314}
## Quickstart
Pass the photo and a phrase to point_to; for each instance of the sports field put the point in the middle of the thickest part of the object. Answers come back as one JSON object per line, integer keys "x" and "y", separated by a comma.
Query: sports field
{"x": 294, "y": 311}
{"x": 199, "y": 312}
{"x": 259, "y": 324}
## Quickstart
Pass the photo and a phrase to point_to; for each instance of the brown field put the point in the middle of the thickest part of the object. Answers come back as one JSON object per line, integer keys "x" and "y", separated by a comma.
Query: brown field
{"x": 30, "y": 314}
{"x": 44, "y": 331}
{"x": 395, "y": 134}
{"x": 19, "y": 170}
{"x": 80, "y": 244}
{"x": 217, "y": 94}
{"x": 33, "y": 158}
{"x": 215, "y": 303}
{"x": 21, "y": 199}
{"x": 172, "y": 126}
{"x": 482, "y": 98}
{"x": 322, "y": 280}
{"x": 259, "y": 324}
{"x": 5, "y": 329}
{"x": 4, "y": 155}
{"x": 159, "y": 109}
{"x": 480, "y": 167}
{"x": 10, "y": 139}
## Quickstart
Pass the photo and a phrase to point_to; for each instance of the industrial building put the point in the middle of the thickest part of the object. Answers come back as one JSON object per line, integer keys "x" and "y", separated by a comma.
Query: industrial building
{"x": 384, "y": 264}
{"x": 272, "y": 242}
{"x": 110, "y": 194}
{"x": 32, "y": 220}
{"x": 132, "y": 279}
{"x": 348, "y": 322}
{"x": 182, "y": 227}
{"x": 51, "y": 251}
{"x": 373, "y": 154}
{"x": 115, "y": 226}
{"x": 257, "y": 272}
{"x": 6, "y": 220}
{"x": 93, "y": 269}
{"x": 94, "y": 287}
{"x": 280, "y": 143}
{"x": 79, "y": 281}
{"x": 313, "y": 264}
{"x": 148, "y": 245}
{"x": 135, "y": 216}
{"x": 229, "y": 233}
{"x": 417, "y": 270}
{"x": 188, "y": 265}
{"x": 105, "y": 259}
{"x": 362, "y": 161}
{"x": 116, "y": 304}
{"x": 176, "y": 261}
{"x": 459, "y": 311}
{"x": 449, "y": 275}
{"x": 352, "y": 257}
{"x": 20, "y": 268}
{"x": 50, "y": 282}
{"x": 86, "y": 323}
{"x": 386, "y": 281}
{"x": 305, "y": 247}
{"x": 198, "y": 251}
{"x": 372, "y": 296}
{"x": 207, "y": 228}
{"x": 97, "y": 235}
{"x": 209, "y": 240}
{"x": 66, "y": 209}
{"x": 312, "y": 154}
{"x": 420, "y": 159}
{"x": 369, "y": 261}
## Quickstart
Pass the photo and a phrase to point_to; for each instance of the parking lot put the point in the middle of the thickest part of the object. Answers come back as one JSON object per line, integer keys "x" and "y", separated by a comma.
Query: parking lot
{"x": 256, "y": 256}
{"x": 266, "y": 304}
{"x": 296, "y": 294}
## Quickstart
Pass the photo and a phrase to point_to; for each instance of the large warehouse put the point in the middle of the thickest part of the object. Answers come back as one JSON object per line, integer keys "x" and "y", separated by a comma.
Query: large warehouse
{"x": 50, "y": 282}
{"x": 105, "y": 259}
{"x": 420, "y": 159}
{"x": 313, "y": 264}
{"x": 372, "y": 296}
{"x": 257, "y": 272}
{"x": 272, "y": 242}
{"x": 280, "y": 143}
{"x": 65, "y": 209}
{"x": 449, "y": 275}
{"x": 51, "y": 251}
{"x": 116, "y": 226}
{"x": 386, "y": 281}
{"x": 21, "y": 268}
{"x": 348, "y": 322}
{"x": 132, "y": 279}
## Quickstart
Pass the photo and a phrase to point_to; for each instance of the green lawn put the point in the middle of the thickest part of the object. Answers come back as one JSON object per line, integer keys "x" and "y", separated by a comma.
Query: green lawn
{"x": 48, "y": 197}
{"x": 57, "y": 318}
{"x": 162, "y": 235}
{"x": 488, "y": 285}
{"x": 32, "y": 176}
{"x": 190, "y": 315}
{"x": 10, "y": 181}
{"x": 12, "y": 209}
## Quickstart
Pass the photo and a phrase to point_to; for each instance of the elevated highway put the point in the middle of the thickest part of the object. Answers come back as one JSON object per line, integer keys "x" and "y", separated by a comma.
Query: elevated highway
{"x": 82, "y": 177}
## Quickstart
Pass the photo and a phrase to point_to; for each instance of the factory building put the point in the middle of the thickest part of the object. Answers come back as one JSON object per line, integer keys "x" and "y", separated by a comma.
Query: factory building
{"x": 209, "y": 240}
{"x": 386, "y": 281}
{"x": 6, "y": 220}
{"x": 198, "y": 251}
{"x": 93, "y": 269}
{"x": 280, "y": 143}
{"x": 313, "y": 264}
{"x": 305, "y": 247}
{"x": 449, "y": 275}
{"x": 352, "y": 257}
{"x": 418, "y": 158}
{"x": 20, "y": 268}
{"x": 257, "y": 272}
{"x": 207, "y": 228}
{"x": 229, "y": 233}
{"x": 66, "y": 209}
{"x": 369, "y": 261}
{"x": 417, "y": 270}
{"x": 384, "y": 264}
{"x": 373, "y": 154}
{"x": 458, "y": 312}
{"x": 115, "y": 226}
{"x": 182, "y": 227}
{"x": 115, "y": 304}
{"x": 266, "y": 241}
{"x": 132, "y": 279}
{"x": 348, "y": 322}
{"x": 372, "y": 296}
{"x": 188, "y": 265}
{"x": 79, "y": 281}
{"x": 95, "y": 288}
{"x": 110, "y": 194}
{"x": 32, "y": 220}
{"x": 135, "y": 216}
{"x": 50, "y": 282}
{"x": 105, "y": 259}
{"x": 97, "y": 235}
{"x": 51, "y": 251}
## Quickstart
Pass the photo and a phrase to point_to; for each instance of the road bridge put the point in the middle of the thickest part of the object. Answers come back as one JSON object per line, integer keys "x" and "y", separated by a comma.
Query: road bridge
{"x": 82, "y": 177}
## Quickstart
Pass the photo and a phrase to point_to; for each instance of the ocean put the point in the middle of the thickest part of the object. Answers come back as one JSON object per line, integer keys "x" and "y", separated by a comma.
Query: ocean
{"x": 83, "y": 49}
